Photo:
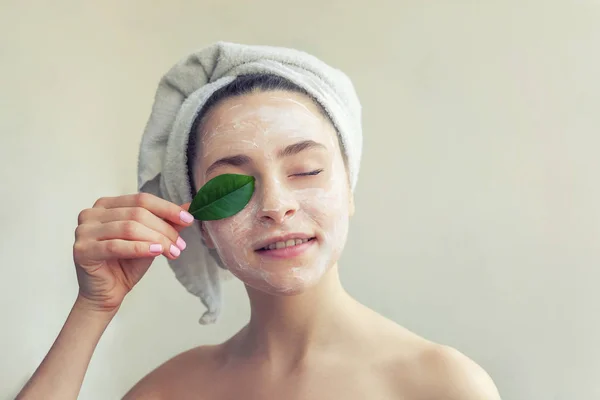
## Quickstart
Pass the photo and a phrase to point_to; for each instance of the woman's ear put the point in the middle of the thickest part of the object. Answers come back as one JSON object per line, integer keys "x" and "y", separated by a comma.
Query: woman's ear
{"x": 207, "y": 240}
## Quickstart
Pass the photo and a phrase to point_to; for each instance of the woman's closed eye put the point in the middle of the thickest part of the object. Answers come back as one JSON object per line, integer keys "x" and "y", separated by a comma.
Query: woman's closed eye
{"x": 311, "y": 173}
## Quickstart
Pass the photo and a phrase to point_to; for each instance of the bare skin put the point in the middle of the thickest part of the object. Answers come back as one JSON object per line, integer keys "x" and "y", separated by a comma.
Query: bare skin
{"x": 355, "y": 354}
{"x": 315, "y": 341}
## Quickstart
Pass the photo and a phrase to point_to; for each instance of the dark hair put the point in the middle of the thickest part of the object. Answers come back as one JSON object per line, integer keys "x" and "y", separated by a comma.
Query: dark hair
{"x": 243, "y": 84}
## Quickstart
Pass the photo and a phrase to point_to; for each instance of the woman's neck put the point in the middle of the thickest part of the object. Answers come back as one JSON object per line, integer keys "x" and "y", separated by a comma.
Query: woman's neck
{"x": 284, "y": 330}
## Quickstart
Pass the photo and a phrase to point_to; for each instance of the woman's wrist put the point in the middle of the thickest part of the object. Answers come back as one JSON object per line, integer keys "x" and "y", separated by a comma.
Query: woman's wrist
{"x": 84, "y": 306}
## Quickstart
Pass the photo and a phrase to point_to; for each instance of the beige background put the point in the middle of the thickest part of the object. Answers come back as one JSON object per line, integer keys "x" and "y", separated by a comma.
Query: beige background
{"x": 478, "y": 203}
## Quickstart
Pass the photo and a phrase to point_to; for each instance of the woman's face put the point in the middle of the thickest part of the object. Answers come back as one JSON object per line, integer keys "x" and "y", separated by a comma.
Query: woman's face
{"x": 295, "y": 226}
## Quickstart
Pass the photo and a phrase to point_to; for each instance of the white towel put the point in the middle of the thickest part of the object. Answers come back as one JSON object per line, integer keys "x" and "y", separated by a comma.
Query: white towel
{"x": 181, "y": 93}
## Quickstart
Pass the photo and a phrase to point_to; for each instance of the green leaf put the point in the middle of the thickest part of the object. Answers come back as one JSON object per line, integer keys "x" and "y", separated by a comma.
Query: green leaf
{"x": 222, "y": 197}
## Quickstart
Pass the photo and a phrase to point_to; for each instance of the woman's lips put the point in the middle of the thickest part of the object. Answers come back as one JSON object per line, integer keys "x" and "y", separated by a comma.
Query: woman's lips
{"x": 273, "y": 240}
{"x": 288, "y": 252}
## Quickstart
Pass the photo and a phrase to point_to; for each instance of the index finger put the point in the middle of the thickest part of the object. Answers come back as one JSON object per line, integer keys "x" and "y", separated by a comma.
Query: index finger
{"x": 160, "y": 207}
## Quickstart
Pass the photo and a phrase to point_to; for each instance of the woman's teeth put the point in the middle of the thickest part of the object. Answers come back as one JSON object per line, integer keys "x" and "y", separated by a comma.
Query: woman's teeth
{"x": 288, "y": 243}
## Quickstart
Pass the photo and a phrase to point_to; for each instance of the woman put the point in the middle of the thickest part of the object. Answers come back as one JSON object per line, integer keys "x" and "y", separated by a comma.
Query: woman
{"x": 307, "y": 338}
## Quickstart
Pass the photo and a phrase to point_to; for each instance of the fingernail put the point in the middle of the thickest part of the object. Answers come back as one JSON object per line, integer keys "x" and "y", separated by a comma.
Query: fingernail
{"x": 156, "y": 248}
{"x": 175, "y": 252}
{"x": 186, "y": 217}
{"x": 180, "y": 243}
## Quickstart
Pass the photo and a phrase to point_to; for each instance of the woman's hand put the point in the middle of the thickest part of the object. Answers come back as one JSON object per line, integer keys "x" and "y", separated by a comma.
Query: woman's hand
{"x": 116, "y": 241}
{"x": 113, "y": 250}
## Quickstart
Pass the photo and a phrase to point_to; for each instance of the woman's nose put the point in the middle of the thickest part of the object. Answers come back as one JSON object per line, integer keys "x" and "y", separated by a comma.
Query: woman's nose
{"x": 277, "y": 203}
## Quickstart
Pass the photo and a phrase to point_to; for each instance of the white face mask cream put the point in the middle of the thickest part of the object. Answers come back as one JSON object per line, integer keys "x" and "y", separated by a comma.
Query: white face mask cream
{"x": 295, "y": 226}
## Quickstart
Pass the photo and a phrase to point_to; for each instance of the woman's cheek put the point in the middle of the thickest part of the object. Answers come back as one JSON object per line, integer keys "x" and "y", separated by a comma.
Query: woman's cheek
{"x": 329, "y": 210}
{"x": 231, "y": 235}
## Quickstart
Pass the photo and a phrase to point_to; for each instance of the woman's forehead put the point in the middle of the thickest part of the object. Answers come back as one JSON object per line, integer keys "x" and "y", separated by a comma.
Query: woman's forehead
{"x": 265, "y": 107}
{"x": 265, "y": 116}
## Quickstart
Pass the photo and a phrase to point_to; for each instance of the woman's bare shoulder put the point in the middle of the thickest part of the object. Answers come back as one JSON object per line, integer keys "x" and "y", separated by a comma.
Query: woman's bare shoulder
{"x": 421, "y": 369}
{"x": 453, "y": 375}
{"x": 432, "y": 370}
{"x": 185, "y": 371}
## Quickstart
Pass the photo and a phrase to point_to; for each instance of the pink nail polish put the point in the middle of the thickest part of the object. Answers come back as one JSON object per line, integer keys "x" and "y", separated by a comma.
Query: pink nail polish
{"x": 156, "y": 248}
{"x": 175, "y": 252}
{"x": 186, "y": 217}
{"x": 181, "y": 243}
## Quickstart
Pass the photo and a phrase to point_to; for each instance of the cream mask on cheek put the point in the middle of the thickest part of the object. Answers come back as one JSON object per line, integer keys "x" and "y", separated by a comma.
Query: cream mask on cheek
{"x": 296, "y": 223}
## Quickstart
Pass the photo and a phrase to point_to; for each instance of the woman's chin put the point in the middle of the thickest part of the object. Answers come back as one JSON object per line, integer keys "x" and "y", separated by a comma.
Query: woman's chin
{"x": 281, "y": 282}
{"x": 283, "y": 290}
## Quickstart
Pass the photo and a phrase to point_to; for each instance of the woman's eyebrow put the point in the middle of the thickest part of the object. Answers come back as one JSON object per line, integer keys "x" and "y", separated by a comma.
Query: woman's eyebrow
{"x": 300, "y": 146}
{"x": 239, "y": 160}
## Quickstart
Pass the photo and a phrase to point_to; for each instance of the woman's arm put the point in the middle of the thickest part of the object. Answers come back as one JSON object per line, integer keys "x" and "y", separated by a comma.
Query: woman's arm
{"x": 116, "y": 241}
{"x": 61, "y": 373}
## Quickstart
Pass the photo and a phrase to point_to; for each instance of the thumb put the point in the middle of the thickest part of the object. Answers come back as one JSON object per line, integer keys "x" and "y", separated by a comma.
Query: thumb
{"x": 185, "y": 206}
